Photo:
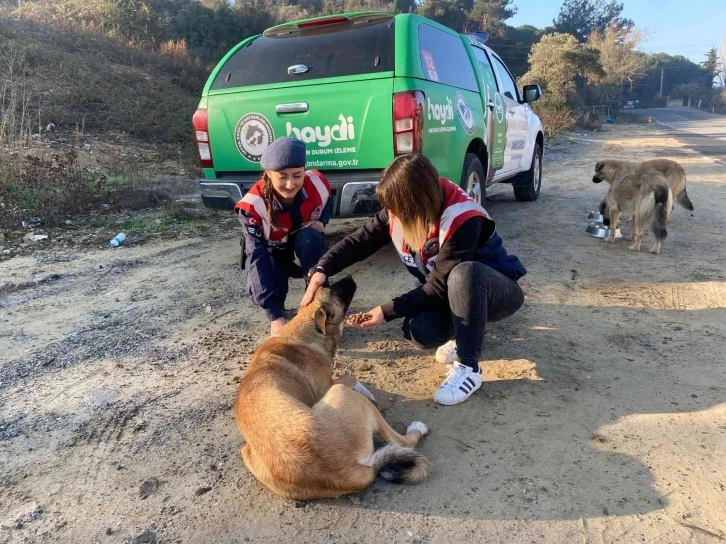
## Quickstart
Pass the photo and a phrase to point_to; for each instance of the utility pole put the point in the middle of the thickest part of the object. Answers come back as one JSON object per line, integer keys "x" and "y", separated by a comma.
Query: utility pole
{"x": 661, "y": 82}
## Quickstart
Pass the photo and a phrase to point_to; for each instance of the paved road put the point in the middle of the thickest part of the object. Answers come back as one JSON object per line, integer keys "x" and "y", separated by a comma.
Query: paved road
{"x": 704, "y": 132}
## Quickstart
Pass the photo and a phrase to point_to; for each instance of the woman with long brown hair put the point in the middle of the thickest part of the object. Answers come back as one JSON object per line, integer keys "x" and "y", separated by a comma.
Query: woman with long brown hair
{"x": 448, "y": 242}
{"x": 284, "y": 216}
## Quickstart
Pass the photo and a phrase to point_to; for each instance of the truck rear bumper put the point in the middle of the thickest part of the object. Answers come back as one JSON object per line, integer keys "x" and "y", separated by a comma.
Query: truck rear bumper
{"x": 353, "y": 193}
{"x": 220, "y": 196}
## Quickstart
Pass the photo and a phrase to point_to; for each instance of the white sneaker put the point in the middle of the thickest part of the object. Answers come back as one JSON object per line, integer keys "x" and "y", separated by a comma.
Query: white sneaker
{"x": 447, "y": 354}
{"x": 461, "y": 381}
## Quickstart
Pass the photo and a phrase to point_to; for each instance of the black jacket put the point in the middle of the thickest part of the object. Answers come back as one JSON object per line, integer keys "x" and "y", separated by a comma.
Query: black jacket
{"x": 474, "y": 240}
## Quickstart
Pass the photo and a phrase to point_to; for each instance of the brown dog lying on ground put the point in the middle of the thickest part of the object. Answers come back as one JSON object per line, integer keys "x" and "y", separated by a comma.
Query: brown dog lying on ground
{"x": 309, "y": 436}
{"x": 675, "y": 175}
{"x": 648, "y": 198}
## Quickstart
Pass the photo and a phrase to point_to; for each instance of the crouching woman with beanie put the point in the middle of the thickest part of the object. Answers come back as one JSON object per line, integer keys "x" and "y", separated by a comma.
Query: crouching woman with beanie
{"x": 284, "y": 216}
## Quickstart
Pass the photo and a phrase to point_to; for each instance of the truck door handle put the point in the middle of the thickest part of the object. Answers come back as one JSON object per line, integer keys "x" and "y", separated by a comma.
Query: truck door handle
{"x": 511, "y": 111}
{"x": 490, "y": 104}
{"x": 297, "y": 69}
{"x": 293, "y": 107}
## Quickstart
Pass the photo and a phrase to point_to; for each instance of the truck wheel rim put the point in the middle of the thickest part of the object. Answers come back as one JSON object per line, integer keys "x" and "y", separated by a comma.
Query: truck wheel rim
{"x": 473, "y": 187}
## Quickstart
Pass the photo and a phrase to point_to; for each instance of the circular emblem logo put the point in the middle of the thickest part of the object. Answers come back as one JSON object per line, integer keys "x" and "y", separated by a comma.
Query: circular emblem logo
{"x": 498, "y": 108}
{"x": 316, "y": 213}
{"x": 252, "y": 135}
{"x": 466, "y": 116}
{"x": 431, "y": 247}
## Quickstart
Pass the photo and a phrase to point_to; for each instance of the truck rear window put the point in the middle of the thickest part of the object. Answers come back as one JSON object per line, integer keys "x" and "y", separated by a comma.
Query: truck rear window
{"x": 332, "y": 50}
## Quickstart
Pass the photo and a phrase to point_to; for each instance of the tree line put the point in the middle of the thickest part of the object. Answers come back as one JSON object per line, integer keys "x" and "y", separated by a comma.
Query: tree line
{"x": 587, "y": 58}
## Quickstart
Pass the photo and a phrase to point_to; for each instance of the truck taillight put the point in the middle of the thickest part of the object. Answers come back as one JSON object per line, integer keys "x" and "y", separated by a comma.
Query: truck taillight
{"x": 408, "y": 127}
{"x": 201, "y": 137}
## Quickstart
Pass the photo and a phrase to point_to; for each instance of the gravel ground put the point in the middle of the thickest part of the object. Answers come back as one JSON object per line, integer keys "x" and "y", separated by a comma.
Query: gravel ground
{"x": 601, "y": 419}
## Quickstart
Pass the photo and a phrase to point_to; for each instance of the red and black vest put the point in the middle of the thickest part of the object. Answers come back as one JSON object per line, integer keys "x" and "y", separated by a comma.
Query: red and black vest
{"x": 458, "y": 207}
{"x": 315, "y": 193}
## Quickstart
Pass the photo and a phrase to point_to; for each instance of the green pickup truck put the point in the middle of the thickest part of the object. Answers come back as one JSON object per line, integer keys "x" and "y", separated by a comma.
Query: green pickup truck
{"x": 360, "y": 89}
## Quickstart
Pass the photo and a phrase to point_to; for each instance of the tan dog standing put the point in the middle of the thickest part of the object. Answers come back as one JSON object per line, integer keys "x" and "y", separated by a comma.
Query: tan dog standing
{"x": 309, "y": 436}
{"x": 648, "y": 198}
{"x": 613, "y": 170}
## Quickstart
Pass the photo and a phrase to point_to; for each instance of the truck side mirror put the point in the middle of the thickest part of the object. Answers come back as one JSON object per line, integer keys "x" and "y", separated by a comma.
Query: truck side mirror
{"x": 531, "y": 93}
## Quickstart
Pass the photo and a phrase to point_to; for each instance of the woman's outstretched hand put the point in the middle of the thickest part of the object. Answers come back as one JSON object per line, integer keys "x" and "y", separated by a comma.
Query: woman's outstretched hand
{"x": 317, "y": 280}
{"x": 368, "y": 320}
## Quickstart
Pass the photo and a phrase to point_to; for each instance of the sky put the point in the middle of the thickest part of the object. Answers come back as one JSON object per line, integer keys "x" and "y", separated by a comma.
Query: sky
{"x": 688, "y": 28}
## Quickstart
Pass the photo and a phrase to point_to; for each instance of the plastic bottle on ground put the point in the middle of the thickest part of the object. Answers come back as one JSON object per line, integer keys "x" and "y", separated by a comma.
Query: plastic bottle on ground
{"x": 117, "y": 240}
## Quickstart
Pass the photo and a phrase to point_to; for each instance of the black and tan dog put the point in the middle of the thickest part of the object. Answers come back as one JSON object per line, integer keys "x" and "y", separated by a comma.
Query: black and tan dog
{"x": 613, "y": 170}
{"x": 648, "y": 198}
{"x": 310, "y": 436}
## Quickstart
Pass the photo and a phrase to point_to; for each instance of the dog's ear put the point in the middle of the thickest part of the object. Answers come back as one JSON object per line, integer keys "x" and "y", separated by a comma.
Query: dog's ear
{"x": 321, "y": 317}
{"x": 599, "y": 166}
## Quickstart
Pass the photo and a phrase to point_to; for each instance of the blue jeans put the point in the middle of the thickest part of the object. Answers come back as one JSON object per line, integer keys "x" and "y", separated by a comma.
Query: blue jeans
{"x": 477, "y": 294}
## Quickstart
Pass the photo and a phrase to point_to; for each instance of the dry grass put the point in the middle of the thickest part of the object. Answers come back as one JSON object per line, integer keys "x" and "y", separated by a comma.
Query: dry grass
{"x": 56, "y": 86}
{"x": 19, "y": 102}
{"x": 175, "y": 49}
{"x": 49, "y": 189}
{"x": 77, "y": 78}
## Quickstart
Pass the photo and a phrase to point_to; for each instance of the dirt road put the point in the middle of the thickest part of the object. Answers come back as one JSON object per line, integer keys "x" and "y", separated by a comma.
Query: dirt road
{"x": 695, "y": 129}
{"x": 602, "y": 418}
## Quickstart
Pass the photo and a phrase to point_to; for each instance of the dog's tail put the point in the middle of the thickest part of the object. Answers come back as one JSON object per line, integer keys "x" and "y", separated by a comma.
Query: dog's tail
{"x": 684, "y": 201}
{"x": 400, "y": 465}
{"x": 663, "y": 204}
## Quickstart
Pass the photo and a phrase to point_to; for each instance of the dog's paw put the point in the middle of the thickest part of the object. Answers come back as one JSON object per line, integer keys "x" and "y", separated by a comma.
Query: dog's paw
{"x": 418, "y": 426}
{"x": 633, "y": 248}
{"x": 655, "y": 251}
{"x": 363, "y": 391}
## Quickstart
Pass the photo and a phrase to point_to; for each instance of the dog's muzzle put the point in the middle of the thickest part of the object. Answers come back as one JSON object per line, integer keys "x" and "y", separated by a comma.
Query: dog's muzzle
{"x": 596, "y": 179}
{"x": 343, "y": 290}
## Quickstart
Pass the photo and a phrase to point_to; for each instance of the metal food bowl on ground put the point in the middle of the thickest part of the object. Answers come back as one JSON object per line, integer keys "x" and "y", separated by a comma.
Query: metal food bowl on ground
{"x": 598, "y": 230}
{"x": 595, "y": 217}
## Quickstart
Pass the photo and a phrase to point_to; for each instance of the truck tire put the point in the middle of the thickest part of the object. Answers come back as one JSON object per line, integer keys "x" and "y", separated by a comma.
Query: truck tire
{"x": 473, "y": 178}
{"x": 527, "y": 185}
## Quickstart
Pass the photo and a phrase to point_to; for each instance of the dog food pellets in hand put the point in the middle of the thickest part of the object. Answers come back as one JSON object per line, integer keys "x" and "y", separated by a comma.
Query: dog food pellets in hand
{"x": 357, "y": 319}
